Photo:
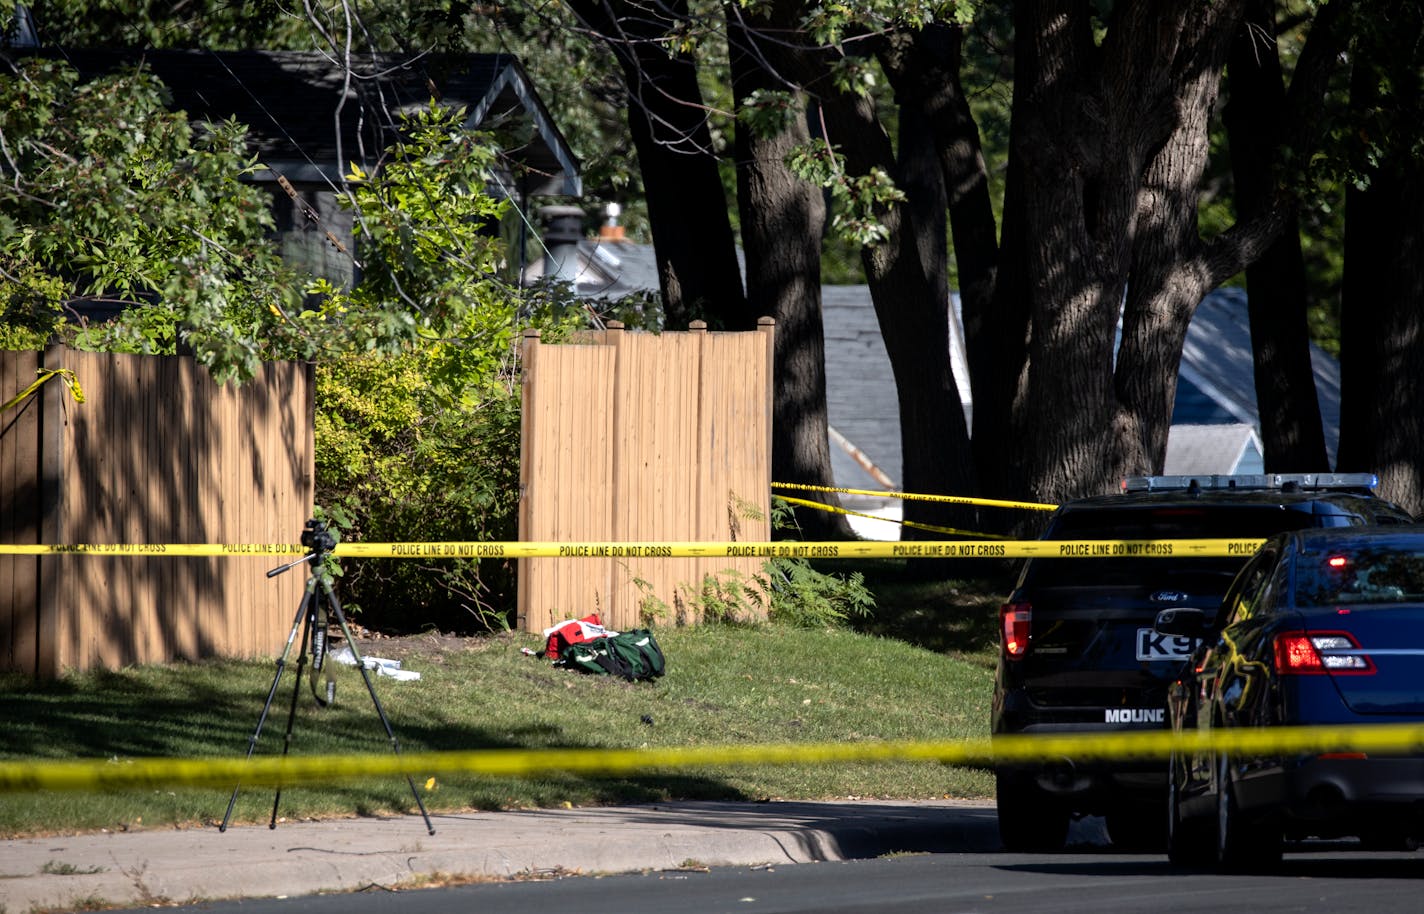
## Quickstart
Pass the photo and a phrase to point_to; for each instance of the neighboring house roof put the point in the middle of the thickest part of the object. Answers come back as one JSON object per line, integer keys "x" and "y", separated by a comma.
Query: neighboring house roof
{"x": 1196, "y": 450}
{"x": 1215, "y": 387}
{"x": 861, "y": 402}
{"x": 1217, "y": 382}
{"x": 608, "y": 267}
{"x": 293, "y": 103}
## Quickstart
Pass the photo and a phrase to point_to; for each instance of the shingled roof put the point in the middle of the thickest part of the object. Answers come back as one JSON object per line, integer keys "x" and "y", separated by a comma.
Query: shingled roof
{"x": 1215, "y": 387}
{"x": 1225, "y": 448}
{"x": 309, "y": 117}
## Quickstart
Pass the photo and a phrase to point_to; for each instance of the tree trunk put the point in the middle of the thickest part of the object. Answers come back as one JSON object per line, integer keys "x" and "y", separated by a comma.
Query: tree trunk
{"x": 1108, "y": 140}
{"x": 1167, "y": 275}
{"x": 933, "y": 435}
{"x": 1070, "y": 281}
{"x": 1289, "y": 408}
{"x": 782, "y": 220}
{"x": 1381, "y": 329}
{"x": 925, "y": 71}
{"x": 1382, "y": 323}
{"x": 687, "y": 206}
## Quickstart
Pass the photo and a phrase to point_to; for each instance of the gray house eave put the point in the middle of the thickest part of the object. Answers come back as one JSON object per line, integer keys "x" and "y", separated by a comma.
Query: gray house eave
{"x": 290, "y": 103}
{"x": 567, "y": 181}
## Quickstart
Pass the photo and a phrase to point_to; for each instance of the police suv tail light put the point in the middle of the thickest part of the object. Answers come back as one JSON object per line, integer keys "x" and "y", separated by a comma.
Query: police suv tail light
{"x": 1015, "y": 622}
{"x": 1309, "y": 653}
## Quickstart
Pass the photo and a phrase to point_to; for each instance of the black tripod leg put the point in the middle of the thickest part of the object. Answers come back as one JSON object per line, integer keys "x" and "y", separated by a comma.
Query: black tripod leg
{"x": 292, "y": 711}
{"x": 366, "y": 677}
{"x": 271, "y": 693}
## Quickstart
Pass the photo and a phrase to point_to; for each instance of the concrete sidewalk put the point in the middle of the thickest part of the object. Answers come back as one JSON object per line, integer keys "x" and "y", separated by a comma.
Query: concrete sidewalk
{"x": 304, "y": 858}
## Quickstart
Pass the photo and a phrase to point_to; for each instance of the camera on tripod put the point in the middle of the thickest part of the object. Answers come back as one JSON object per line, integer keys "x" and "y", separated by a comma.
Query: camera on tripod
{"x": 319, "y": 606}
{"x": 316, "y": 537}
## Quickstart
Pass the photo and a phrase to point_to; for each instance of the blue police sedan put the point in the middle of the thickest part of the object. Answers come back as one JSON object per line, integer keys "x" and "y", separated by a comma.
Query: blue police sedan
{"x": 1321, "y": 627}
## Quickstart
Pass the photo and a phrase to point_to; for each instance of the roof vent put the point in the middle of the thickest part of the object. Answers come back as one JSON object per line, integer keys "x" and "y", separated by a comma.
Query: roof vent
{"x": 563, "y": 229}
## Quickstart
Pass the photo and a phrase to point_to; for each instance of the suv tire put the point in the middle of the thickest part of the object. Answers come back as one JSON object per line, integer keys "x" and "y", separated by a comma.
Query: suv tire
{"x": 1030, "y": 819}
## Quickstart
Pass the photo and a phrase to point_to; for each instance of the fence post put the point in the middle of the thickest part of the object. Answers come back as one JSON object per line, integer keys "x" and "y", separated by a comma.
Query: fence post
{"x": 51, "y": 511}
{"x": 766, "y": 326}
{"x": 614, "y": 520}
{"x": 529, "y": 357}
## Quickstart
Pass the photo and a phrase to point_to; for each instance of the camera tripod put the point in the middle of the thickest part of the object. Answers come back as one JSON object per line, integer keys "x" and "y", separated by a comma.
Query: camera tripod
{"x": 318, "y": 604}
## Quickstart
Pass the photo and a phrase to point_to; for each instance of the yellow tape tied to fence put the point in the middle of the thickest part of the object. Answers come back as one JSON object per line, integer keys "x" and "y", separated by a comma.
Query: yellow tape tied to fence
{"x": 46, "y": 374}
{"x": 111, "y": 774}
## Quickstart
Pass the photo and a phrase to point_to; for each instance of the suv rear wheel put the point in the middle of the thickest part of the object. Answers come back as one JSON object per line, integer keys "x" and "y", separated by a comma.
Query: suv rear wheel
{"x": 1030, "y": 820}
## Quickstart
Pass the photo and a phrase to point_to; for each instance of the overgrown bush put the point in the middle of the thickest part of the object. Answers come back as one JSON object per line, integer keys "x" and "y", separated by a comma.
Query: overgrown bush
{"x": 397, "y": 460}
{"x": 417, "y": 420}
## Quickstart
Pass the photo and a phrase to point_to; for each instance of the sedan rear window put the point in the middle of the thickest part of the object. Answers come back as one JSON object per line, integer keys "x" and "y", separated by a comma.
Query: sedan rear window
{"x": 1369, "y": 575}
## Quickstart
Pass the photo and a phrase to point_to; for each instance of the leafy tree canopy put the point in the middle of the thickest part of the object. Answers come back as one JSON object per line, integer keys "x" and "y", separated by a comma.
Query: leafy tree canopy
{"x": 110, "y": 199}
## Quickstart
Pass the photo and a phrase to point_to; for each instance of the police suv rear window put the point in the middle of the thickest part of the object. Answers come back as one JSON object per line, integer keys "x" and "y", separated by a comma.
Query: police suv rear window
{"x": 1158, "y": 523}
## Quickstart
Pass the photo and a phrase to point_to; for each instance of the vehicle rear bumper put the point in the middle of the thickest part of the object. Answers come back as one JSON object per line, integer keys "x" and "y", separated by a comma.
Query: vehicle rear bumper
{"x": 1363, "y": 792}
{"x": 1089, "y": 785}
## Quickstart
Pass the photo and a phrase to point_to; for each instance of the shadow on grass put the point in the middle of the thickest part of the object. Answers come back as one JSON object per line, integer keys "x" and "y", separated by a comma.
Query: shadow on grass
{"x": 212, "y": 710}
{"x": 956, "y": 616}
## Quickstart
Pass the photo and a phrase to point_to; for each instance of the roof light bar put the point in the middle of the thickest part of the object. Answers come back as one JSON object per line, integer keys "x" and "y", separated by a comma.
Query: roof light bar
{"x": 1252, "y": 481}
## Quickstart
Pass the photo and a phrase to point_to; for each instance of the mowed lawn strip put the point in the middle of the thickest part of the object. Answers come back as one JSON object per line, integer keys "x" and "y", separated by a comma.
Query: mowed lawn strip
{"x": 725, "y": 684}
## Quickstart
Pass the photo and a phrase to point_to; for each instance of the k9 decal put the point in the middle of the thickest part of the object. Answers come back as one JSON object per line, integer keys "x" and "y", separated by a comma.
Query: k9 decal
{"x": 1152, "y": 646}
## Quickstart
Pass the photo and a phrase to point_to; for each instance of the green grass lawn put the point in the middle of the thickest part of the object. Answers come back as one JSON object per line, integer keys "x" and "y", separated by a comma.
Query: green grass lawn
{"x": 919, "y": 670}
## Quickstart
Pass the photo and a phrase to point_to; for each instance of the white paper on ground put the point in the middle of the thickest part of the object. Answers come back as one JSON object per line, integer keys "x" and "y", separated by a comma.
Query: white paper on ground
{"x": 381, "y": 665}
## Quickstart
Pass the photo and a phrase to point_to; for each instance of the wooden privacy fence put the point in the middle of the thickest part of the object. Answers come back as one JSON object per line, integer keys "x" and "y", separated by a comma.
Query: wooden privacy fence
{"x": 156, "y": 453}
{"x": 635, "y": 437}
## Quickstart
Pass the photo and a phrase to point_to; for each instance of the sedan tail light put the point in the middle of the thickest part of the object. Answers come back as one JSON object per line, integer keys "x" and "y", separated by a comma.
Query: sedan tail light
{"x": 1308, "y": 653}
{"x": 1015, "y": 622}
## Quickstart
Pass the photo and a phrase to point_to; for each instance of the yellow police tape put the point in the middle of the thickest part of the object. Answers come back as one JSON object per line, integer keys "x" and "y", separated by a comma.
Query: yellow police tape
{"x": 115, "y": 774}
{"x": 949, "y": 549}
{"x": 833, "y": 509}
{"x": 46, "y": 374}
{"x": 911, "y": 496}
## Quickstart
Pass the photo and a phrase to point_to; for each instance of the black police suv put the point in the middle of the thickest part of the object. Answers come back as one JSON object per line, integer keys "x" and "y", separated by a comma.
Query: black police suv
{"x": 1321, "y": 628}
{"x": 1079, "y": 653}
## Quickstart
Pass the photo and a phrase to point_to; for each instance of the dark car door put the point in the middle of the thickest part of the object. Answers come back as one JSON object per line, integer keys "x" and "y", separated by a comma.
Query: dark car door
{"x": 1230, "y": 676}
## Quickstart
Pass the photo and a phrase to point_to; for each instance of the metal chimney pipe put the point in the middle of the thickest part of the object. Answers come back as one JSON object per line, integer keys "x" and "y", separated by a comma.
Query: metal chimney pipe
{"x": 563, "y": 229}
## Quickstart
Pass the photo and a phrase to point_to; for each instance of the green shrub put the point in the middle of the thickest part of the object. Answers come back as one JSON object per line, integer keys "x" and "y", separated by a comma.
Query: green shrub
{"x": 805, "y": 597}
{"x": 404, "y": 461}
{"x": 417, "y": 421}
